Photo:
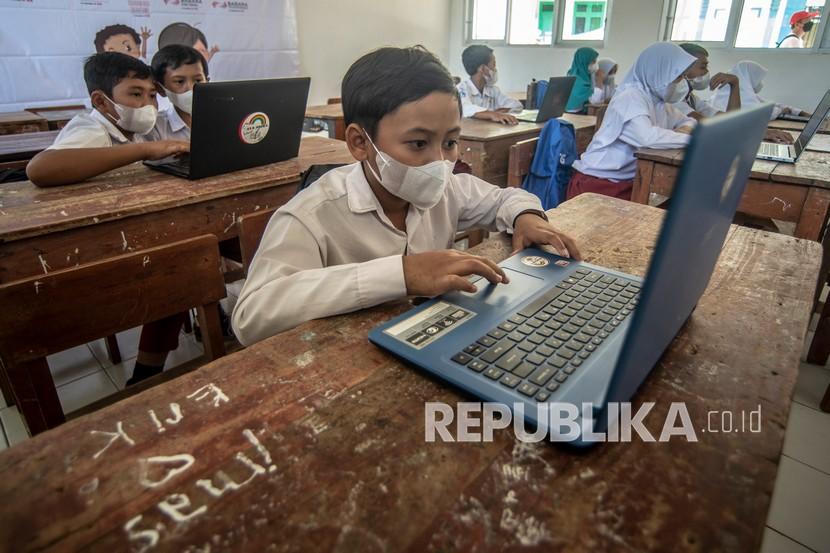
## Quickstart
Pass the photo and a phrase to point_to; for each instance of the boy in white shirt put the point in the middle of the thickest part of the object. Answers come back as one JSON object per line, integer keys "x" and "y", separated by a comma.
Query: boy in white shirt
{"x": 382, "y": 228}
{"x": 123, "y": 97}
{"x": 177, "y": 69}
{"x": 480, "y": 97}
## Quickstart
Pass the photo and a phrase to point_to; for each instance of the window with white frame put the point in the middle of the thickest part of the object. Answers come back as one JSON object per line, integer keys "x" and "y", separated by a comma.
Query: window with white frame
{"x": 536, "y": 22}
{"x": 747, "y": 23}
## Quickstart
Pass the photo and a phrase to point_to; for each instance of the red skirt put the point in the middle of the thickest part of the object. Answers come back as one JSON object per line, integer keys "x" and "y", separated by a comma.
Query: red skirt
{"x": 581, "y": 183}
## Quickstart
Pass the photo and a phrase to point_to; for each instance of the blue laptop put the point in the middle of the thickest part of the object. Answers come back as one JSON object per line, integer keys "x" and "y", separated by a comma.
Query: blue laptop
{"x": 565, "y": 331}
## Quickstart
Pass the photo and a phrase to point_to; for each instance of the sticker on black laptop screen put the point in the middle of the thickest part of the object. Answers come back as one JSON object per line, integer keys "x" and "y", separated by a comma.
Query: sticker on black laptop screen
{"x": 423, "y": 328}
{"x": 254, "y": 128}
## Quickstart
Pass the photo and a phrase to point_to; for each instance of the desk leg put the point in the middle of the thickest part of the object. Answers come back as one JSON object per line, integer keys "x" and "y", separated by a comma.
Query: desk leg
{"x": 812, "y": 225}
{"x": 35, "y": 395}
{"x": 813, "y": 216}
{"x": 642, "y": 181}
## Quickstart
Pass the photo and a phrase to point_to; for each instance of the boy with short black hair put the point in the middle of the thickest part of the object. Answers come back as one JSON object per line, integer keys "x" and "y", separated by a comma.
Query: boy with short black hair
{"x": 123, "y": 96}
{"x": 382, "y": 228}
{"x": 480, "y": 97}
{"x": 177, "y": 69}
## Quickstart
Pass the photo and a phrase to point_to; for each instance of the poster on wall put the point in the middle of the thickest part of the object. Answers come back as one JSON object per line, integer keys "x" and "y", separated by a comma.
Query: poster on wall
{"x": 43, "y": 43}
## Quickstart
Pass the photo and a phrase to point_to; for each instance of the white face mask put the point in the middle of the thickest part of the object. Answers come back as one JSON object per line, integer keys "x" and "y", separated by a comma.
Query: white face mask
{"x": 758, "y": 88}
{"x": 593, "y": 68}
{"x": 676, "y": 92}
{"x": 700, "y": 83}
{"x": 421, "y": 186}
{"x": 182, "y": 100}
{"x": 492, "y": 77}
{"x": 137, "y": 120}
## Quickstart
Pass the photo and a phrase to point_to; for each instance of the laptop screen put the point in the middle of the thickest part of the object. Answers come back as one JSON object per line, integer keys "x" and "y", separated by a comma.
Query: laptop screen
{"x": 813, "y": 124}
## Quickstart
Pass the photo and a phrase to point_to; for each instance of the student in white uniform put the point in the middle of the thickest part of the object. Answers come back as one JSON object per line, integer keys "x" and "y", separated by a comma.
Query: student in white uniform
{"x": 801, "y": 23}
{"x": 751, "y": 76}
{"x": 177, "y": 69}
{"x": 640, "y": 115}
{"x": 698, "y": 78}
{"x": 480, "y": 97}
{"x": 604, "y": 81}
{"x": 123, "y": 98}
{"x": 381, "y": 229}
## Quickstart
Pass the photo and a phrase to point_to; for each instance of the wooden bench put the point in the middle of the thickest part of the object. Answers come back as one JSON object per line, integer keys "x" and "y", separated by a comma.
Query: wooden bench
{"x": 49, "y": 313}
{"x": 18, "y": 122}
{"x": 58, "y": 116}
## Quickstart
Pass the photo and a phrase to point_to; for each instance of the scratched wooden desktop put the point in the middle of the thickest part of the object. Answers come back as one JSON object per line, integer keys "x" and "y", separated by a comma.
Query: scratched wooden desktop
{"x": 313, "y": 440}
{"x": 485, "y": 145}
{"x": 46, "y": 229}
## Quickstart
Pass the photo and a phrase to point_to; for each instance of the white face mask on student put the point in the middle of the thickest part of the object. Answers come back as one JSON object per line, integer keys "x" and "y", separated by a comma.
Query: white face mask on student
{"x": 182, "y": 100}
{"x": 758, "y": 88}
{"x": 492, "y": 77}
{"x": 422, "y": 186}
{"x": 593, "y": 68}
{"x": 700, "y": 83}
{"x": 137, "y": 120}
{"x": 675, "y": 92}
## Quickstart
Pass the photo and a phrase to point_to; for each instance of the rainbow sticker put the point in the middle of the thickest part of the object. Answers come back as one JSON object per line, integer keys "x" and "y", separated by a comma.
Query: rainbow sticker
{"x": 254, "y": 128}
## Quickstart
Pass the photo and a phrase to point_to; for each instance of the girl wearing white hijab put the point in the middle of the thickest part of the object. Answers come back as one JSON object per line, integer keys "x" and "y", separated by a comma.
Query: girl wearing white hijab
{"x": 639, "y": 116}
{"x": 751, "y": 77}
{"x": 604, "y": 85}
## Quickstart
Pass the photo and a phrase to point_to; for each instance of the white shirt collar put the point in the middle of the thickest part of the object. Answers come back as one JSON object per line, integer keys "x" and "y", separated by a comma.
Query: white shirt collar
{"x": 175, "y": 120}
{"x": 474, "y": 91}
{"x": 113, "y": 131}
{"x": 361, "y": 197}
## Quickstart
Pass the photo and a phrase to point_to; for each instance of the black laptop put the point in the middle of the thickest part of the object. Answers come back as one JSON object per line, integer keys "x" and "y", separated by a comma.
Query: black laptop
{"x": 241, "y": 124}
{"x": 554, "y": 102}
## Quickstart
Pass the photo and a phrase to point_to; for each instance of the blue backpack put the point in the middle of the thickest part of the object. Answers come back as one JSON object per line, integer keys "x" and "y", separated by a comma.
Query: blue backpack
{"x": 550, "y": 169}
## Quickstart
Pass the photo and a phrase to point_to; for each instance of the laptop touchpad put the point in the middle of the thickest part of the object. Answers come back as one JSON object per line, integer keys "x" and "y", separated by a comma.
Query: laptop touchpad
{"x": 520, "y": 287}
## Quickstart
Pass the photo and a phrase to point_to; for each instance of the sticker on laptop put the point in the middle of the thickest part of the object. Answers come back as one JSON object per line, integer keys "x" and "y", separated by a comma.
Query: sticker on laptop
{"x": 423, "y": 328}
{"x": 562, "y": 263}
{"x": 254, "y": 128}
{"x": 535, "y": 261}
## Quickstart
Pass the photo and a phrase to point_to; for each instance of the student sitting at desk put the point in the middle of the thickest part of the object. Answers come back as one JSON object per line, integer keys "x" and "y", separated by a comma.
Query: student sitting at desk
{"x": 751, "y": 76}
{"x": 604, "y": 79}
{"x": 480, "y": 97}
{"x": 177, "y": 69}
{"x": 640, "y": 115}
{"x": 382, "y": 228}
{"x": 590, "y": 83}
{"x": 123, "y": 97}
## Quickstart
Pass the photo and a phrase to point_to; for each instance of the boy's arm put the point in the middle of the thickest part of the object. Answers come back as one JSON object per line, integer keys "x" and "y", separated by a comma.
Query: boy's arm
{"x": 483, "y": 205}
{"x": 506, "y": 102}
{"x": 56, "y": 167}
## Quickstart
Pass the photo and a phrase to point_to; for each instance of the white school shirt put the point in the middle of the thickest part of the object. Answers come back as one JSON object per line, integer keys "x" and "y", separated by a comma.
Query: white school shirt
{"x": 792, "y": 42}
{"x": 750, "y": 75}
{"x": 490, "y": 99}
{"x": 612, "y": 157}
{"x": 90, "y": 130}
{"x": 169, "y": 126}
{"x": 332, "y": 249}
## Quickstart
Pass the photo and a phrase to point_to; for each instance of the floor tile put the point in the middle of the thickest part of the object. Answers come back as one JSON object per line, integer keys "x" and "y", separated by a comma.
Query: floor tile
{"x": 808, "y": 437}
{"x": 188, "y": 349}
{"x": 72, "y": 364}
{"x": 811, "y": 384}
{"x": 13, "y": 425}
{"x": 127, "y": 344}
{"x": 779, "y": 543}
{"x": 84, "y": 391}
{"x": 3, "y": 443}
{"x": 800, "y": 504}
{"x": 120, "y": 373}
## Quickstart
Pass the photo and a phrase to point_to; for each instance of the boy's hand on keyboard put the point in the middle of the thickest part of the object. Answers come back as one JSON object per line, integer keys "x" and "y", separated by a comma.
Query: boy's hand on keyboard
{"x": 530, "y": 229}
{"x": 778, "y": 136}
{"x": 160, "y": 149}
{"x": 433, "y": 273}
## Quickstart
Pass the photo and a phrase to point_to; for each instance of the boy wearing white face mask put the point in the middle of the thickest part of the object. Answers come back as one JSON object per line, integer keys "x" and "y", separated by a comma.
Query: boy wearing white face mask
{"x": 123, "y": 97}
{"x": 480, "y": 97}
{"x": 177, "y": 69}
{"x": 699, "y": 80}
{"x": 382, "y": 228}
{"x": 640, "y": 115}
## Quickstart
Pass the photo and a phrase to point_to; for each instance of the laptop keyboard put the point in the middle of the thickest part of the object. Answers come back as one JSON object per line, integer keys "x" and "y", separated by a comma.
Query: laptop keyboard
{"x": 774, "y": 150}
{"x": 535, "y": 350}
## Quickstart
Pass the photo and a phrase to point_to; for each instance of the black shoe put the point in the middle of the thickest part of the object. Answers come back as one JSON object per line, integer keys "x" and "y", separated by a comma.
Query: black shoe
{"x": 143, "y": 372}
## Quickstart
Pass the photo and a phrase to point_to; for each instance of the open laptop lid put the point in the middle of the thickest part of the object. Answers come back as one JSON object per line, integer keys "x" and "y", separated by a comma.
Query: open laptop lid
{"x": 242, "y": 124}
{"x": 706, "y": 194}
{"x": 556, "y": 98}
{"x": 813, "y": 124}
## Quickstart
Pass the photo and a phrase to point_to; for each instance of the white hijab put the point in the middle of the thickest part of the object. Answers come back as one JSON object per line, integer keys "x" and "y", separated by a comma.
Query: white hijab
{"x": 641, "y": 91}
{"x": 750, "y": 76}
{"x": 606, "y": 65}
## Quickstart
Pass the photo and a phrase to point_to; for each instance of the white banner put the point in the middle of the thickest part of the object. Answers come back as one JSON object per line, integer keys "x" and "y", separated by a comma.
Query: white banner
{"x": 43, "y": 43}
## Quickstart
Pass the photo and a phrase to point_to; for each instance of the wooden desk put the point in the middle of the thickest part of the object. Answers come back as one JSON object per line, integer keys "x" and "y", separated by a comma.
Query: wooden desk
{"x": 485, "y": 145}
{"x": 332, "y": 116}
{"x": 520, "y": 95}
{"x": 16, "y": 122}
{"x": 23, "y": 147}
{"x": 797, "y": 126}
{"x": 313, "y": 440}
{"x": 820, "y": 143}
{"x": 57, "y": 118}
{"x": 798, "y": 193}
{"x": 46, "y": 229}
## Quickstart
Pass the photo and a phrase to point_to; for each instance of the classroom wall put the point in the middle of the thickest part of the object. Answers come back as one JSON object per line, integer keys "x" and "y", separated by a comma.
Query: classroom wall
{"x": 798, "y": 80}
{"x": 334, "y": 33}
